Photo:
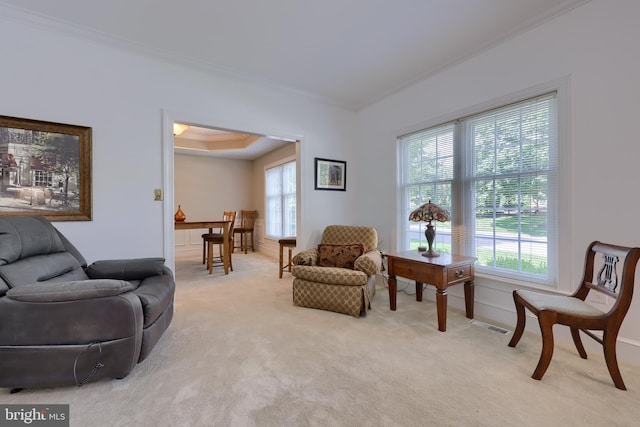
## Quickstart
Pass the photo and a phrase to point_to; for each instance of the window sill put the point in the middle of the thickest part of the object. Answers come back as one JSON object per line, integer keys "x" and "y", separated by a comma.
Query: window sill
{"x": 505, "y": 284}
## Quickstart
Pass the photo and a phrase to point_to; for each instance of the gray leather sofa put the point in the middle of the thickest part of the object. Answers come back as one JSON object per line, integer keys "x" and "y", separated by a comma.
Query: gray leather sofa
{"x": 63, "y": 322}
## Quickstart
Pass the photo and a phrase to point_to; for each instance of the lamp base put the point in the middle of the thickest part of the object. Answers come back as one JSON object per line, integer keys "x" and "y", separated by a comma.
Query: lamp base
{"x": 431, "y": 254}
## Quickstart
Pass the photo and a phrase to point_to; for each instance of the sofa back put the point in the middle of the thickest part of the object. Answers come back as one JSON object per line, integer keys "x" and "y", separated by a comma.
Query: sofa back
{"x": 32, "y": 250}
{"x": 345, "y": 234}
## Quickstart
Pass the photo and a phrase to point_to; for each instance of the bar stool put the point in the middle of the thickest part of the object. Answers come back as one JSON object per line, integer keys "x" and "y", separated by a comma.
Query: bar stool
{"x": 289, "y": 242}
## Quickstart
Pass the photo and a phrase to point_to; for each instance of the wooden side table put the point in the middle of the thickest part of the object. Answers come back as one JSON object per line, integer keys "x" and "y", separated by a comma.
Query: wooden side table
{"x": 289, "y": 242}
{"x": 442, "y": 271}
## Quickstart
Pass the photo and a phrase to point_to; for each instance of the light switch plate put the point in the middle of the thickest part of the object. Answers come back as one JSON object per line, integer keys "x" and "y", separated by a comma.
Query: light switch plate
{"x": 157, "y": 194}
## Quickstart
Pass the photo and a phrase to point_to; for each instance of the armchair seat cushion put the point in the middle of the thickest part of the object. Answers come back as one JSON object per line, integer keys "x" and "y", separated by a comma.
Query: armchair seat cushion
{"x": 330, "y": 275}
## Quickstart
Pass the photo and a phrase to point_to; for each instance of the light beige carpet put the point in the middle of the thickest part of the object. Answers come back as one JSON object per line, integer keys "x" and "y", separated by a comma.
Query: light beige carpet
{"x": 238, "y": 353}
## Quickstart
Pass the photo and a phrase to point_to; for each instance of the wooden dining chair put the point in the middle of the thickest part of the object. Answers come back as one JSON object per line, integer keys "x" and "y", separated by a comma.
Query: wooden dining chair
{"x": 571, "y": 310}
{"x": 247, "y": 222}
{"x": 210, "y": 239}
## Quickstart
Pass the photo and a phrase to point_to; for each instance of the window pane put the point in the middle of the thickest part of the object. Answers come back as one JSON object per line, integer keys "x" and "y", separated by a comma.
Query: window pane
{"x": 280, "y": 182}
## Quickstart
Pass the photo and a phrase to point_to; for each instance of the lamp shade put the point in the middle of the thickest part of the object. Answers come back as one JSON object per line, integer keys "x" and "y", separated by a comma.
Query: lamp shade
{"x": 429, "y": 212}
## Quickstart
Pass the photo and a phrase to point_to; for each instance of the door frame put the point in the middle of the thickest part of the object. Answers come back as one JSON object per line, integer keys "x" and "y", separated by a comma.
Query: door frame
{"x": 168, "y": 118}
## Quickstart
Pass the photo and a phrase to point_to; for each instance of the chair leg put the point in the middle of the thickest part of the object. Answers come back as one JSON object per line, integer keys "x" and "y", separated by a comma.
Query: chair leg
{"x": 575, "y": 334}
{"x": 245, "y": 238}
{"x": 546, "y": 329}
{"x": 522, "y": 319}
{"x": 204, "y": 250}
{"x": 609, "y": 345}
{"x": 210, "y": 257}
{"x": 253, "y": 249}
{"x": 230, "y": 257}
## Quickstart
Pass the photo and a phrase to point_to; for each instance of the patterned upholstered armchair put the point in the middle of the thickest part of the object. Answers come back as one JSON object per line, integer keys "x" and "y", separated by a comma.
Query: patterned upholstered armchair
{"x": 339, "y": 275}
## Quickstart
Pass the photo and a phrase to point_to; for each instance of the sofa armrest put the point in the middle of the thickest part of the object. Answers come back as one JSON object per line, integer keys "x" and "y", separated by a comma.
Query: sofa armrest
{"x": 369, "y": 263}
{"x": 69, "y": 291}
{"x": 126, "y": 269}
{"x": 308, "y": 257}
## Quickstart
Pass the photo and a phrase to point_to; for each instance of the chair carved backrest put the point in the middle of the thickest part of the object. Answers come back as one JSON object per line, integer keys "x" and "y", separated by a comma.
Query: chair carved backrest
{"x": 612, "y": 279}
{"x": 345, "y": 234}
{"x": 248, "y": 219}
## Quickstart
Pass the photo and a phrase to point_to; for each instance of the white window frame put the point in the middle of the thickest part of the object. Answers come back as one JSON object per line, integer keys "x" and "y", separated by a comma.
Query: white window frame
{"x": 279, "y": 164}
{"x": 559, "y": 242}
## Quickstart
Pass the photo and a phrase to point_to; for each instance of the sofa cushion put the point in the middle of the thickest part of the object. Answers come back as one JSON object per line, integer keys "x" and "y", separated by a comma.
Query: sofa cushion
{"x": 69, "y": 291}
{"x": 340, "y": 255}
{"x": 23, "y": 237}
{"x": 126, "y": 269}
{"x": 40, "y": 268}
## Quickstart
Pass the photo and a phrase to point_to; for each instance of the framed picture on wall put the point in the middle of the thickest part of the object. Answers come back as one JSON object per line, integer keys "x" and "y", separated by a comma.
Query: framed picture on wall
{"x": 45, "y": 169}
{"x": 330, "y": 175}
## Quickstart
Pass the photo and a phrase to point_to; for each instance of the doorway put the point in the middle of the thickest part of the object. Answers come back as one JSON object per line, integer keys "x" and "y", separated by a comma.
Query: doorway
{"x": 212, "y": 126}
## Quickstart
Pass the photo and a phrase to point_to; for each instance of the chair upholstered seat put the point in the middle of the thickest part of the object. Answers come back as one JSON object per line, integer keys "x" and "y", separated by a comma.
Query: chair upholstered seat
{"x": 563, "y": 303}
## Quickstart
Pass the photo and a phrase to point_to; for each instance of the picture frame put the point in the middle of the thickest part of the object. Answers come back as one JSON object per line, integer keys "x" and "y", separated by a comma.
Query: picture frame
{"x": 45, "y": 169}
{"x": 330, "y": 174}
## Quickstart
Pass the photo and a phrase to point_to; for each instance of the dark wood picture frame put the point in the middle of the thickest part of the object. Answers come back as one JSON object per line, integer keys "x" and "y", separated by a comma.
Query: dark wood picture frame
{"x": 330, "y": 174}
{"x": 45, "y": 169}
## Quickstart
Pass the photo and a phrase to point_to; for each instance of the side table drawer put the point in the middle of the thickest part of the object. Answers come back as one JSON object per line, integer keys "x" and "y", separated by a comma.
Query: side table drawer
{"x": 459, "y": 274}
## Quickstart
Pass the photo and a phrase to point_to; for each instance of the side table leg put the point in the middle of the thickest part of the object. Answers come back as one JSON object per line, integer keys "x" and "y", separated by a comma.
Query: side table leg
{"x": 441, "y": 306}
{"x": 393, "y": 286}
{"x": 419, "y": 287}
{"x": 468, "y": 298}
{"x": 281, "y": 254}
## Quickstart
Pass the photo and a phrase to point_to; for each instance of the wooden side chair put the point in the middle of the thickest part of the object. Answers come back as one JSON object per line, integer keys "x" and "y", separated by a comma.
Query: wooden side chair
{"x": 611, "y": 279}
{"x": 210, "y": 239}
{"x": 247, "y": 222}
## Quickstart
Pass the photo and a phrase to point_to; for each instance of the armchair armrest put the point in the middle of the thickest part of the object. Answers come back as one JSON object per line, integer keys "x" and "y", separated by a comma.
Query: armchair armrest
{"x": 369, "y": 263}
{"x": 69, "y": 291}
{"x": 308, "y": 257}
{"x": 126, "y": 269}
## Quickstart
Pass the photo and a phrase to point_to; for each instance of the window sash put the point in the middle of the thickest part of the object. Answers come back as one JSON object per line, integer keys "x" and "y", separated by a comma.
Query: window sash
{"x": 281, "y": 198}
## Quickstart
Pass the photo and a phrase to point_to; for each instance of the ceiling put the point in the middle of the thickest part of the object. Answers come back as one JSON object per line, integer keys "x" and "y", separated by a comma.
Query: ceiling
{"x": 226, "y": 144}
{"x": 349, "y": 53}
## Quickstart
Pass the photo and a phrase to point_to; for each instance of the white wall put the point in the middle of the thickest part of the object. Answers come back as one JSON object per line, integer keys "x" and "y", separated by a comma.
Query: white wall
{"x": 122, "y": 96}
{"x": 205, "y": 187}
{"x": 595, "y": 47}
